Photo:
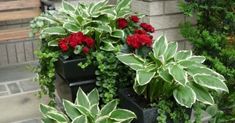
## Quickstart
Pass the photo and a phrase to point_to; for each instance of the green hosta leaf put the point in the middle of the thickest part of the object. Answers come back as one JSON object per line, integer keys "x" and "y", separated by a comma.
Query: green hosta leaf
{"x": 93, "y": 97}
{"x": 198, "y": 59}
{"x": 104, "y": 28}
{"x": 97, "y": 6}
{"x": 159, "y": 47}
{"x": 143, "y": 77}
{"x": 80, "y": 119}
{"x": 121, "y": 115}
{"x": 171, "y": 50}
{"x": 71, "y": 109}
{"x": 182, "y": 55}
{"x": 109, "y": 107}
{"x": 121, "y": 4}
{"x": 78, "y": 49}
{"x": 203, "y": 70}
{"x": 118, "y": 34}
{"x": 95, "y": 110}
{"x": 108, "y": 46}
{"x": 54, "y": 31}
{"x": 178, "y": 74}
{"x": 165, "y": 75}
{"x": 67, "y": 6}
{"x": 211, "y": 82}
{"x": 184, "y": 96}
{"x": 53, "y": 43}
{"x": 132, "y": 61}
{"x": 189, "y": 63}
{"x": 71, "y": 27}
{"x": 202, "y": 95}
{"x": 44, "y": 109}
{"x": 212, "y": 110}
{"x": 83, "y": 110}
{"x": 82, "y": 99}
{"x": 139, "y": 89}
{"x": 57, "y": 116}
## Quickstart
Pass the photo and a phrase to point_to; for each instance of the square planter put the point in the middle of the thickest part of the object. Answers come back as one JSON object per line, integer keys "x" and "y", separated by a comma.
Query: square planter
{"x": 70, "y": 70}
{"x": 139, "y": 105}
{"x": 129, "y": 100}
{"x": 68, "y": 89}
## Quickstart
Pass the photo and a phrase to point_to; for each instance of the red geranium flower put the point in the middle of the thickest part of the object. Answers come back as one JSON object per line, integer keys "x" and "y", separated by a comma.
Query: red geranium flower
{"x": 134, "y": 19}
{"x": 145, "y": 40}
{"x": 133, "y": 41}
{"x": 122, "y": 23}
{"x": 138, "y": 31}
{"x": 147, "y": 27}
{"x": 63, "y": 45}
{"x": 75, "y": 39}
{"x": 88, "y": 41}
{"x": 85, "y": 50}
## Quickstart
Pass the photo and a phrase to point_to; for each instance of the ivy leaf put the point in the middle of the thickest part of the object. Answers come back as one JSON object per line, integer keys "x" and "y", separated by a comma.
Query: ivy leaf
{"x": 78, "y": 49}
{"x": 185, "y": 96}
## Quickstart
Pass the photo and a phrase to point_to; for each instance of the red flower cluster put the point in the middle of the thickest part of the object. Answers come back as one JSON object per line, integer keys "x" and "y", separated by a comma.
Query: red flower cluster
{"x": 138, "y": 39}
{"x": 122, "y": 23}
{"x": 75, "y": 39}
{"x": 147, "y": 27}
{"x": 134, "y": 18}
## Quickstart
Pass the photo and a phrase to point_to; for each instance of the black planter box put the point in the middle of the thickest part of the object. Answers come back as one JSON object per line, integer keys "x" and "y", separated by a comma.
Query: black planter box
{"x": 128, "y": 101}
{"x": 70, "y": 70}
{"x": 68, "y": 89}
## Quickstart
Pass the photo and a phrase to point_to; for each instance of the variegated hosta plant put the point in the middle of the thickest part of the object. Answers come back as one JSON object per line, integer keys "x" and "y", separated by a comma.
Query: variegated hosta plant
{"x": 86, "y": 110}
{"x": 170, "y": 72}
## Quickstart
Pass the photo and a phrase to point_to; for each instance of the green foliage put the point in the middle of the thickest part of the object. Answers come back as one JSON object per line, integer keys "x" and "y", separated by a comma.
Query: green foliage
{"x": 86, "y": 110}
{"x": 213, "y": 37}
{"x": 96, "y": 20}
{"x": 174, "y": 73}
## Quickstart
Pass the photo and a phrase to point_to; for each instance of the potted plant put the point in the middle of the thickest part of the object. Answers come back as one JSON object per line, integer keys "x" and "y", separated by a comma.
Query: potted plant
{"x": 165, "y": 74}
{"x": 86, "y": 110}
{"x": 79, "y": 43}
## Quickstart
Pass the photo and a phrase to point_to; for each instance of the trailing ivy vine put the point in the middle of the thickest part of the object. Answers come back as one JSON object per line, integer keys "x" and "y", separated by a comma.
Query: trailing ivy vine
{"x": 214, "y": 37}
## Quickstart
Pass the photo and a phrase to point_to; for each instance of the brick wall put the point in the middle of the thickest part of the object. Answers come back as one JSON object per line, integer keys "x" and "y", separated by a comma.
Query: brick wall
{"x": 165, "y": 16}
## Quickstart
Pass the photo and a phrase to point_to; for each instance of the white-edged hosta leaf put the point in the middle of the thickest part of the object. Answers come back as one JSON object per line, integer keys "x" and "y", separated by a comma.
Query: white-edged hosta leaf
{"x": 55, "y": 115}
{"x": 159, "y": 47}
{"x": 70, "y": 109}
{"x": 139, "y": 89}
{"x": 203, "y": 70}
{"x": 118, "y": 33}
{"x": 165, "y": 75}
{"x": 189, "y": 63}
{"x": 109, "y": 107}
{"x": 108, "y": 46}
{"x": 104, "y": 28}
{"x": 171, "y": 50}
{"x": 185, "y": 96}
{"x": 71, "y": 27}
{"x": 122, "y": 4}
{"x": 103, "y": 119}
{"x": 183, "y": 54}
{"x": 179, "y": 75}
{"x": 131, "y": 60}
{"x": 44, "y": 109}
{"x": 198, "y": 59}
{"x": 82, "y": 99}
{"x": 93, "y": 97}
{"x": 210, "y": 82}
{"x": 67, "y": 7}
{"x": 80, "y": 119}
{"x": 95, "y": 110}
{"x": 202, "y": 94}
{"x": 212, "y": 110}
{"x": 97, "y": 6}
{"x": 143, "y": 77}
{"x": 83, "y": 110}
{"x": 53, "y": 43}
{"x": 54, "y": 31}
{"x": 121, "y": 115}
